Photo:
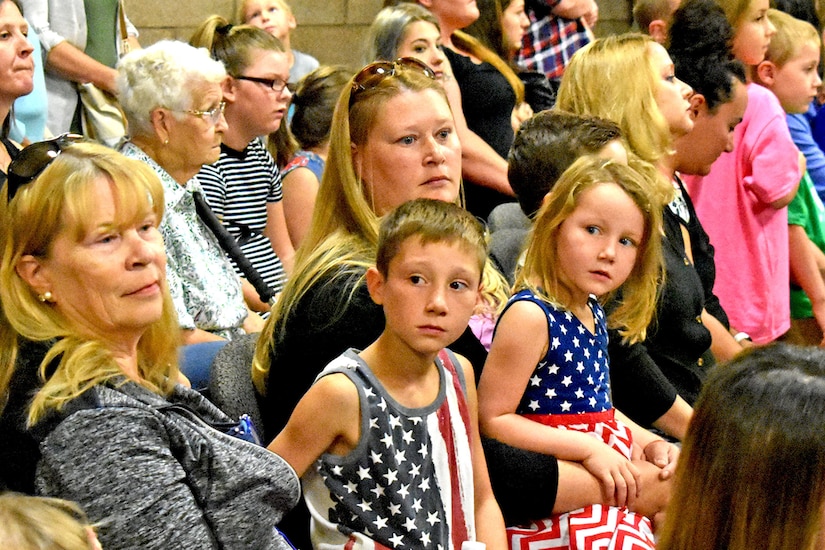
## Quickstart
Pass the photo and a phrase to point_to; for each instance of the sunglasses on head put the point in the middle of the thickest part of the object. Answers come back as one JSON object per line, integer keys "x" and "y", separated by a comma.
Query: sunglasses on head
{"x": 32, "y": 160}
{"x": 371, "y": 75}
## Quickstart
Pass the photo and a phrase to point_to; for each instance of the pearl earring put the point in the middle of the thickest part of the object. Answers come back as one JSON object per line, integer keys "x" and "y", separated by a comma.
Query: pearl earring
{"x": 46, "y": 297}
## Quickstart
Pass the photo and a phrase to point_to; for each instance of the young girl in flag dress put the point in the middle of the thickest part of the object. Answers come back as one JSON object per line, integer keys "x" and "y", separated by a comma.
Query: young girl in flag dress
{"x": 546, "y": 386}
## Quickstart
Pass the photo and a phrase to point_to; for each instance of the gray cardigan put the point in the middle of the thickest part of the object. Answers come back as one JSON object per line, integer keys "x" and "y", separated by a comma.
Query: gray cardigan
{"x": 157, "y": 477}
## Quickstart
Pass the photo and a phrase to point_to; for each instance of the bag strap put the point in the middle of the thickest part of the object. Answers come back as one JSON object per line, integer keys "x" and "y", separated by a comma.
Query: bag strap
{"x": 124, "y": 34}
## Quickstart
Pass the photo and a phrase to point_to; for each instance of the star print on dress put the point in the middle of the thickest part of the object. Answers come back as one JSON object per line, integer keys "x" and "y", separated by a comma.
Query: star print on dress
{"x": 409, "y": 483}
{"x": 570, "y": 379}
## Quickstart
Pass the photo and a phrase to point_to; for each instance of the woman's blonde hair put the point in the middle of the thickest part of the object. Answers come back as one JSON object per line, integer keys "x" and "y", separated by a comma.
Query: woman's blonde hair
{"x": 636, "y": 303}
{"x": 41, "y": 523}
{"x": 60, "y": 201}
{"x": 343, "y": 235}
{"x": 614, "y": 78}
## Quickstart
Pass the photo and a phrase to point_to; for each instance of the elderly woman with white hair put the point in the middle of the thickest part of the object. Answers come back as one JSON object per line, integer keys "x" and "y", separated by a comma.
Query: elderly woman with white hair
{"x": 171, "y": 94}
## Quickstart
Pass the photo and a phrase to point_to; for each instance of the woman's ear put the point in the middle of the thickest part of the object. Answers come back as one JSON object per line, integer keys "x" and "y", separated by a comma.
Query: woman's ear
{"x": 356, "y": 158}
{"x": 32, "y": 271}
{"x": 229, "y": 89}
{"x": 375, "y": 285}
{"x": 160, "y": 119}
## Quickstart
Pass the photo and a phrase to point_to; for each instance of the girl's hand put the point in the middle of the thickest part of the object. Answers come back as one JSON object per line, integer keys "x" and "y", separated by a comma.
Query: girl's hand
{"x": 618, "y": 476}
{"x": 662, "y": 454}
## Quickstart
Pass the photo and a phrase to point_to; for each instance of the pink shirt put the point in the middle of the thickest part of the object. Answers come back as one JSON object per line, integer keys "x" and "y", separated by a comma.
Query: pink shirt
{"x": 751, "y": 237}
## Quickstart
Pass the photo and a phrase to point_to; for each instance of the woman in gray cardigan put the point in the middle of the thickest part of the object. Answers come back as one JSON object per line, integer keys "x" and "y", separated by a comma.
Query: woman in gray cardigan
{"x": 147, "y": 458}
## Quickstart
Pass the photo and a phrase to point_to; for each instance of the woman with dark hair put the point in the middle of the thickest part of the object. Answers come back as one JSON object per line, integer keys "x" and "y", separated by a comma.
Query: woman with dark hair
{"x": 501, "y": 27}
{"x": 313, "y": 103}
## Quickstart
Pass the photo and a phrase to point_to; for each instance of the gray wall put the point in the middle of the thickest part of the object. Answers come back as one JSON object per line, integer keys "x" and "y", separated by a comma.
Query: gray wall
{"x": 331, "y": 30}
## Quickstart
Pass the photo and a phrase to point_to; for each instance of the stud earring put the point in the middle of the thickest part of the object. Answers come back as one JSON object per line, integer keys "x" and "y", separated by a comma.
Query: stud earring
{"x": 46, "y": 297}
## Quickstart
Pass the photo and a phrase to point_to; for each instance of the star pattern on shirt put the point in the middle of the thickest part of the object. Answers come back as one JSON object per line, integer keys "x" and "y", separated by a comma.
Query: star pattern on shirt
{"x": 573, "y": 377}
{"x": 392, "y": 493}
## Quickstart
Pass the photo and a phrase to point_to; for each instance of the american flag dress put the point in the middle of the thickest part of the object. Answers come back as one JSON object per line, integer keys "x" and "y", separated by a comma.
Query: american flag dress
{"x": 409, "y": 482}
{"x": 570, "y": 389}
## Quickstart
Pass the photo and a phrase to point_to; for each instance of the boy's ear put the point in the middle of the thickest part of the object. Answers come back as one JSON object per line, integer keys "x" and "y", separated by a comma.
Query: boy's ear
{"x": 657, "y": 29}
{"x": 291, "y": 22}
{"x": 375, "y": 285}
{"x": 766, "y": 73}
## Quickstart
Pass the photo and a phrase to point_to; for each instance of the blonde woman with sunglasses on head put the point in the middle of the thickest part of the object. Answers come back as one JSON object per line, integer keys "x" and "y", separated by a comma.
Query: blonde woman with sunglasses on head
{"x": 393, "y": 139}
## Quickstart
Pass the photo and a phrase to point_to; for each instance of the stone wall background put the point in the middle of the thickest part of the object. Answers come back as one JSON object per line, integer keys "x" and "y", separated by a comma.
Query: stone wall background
{"x": 330, "y": 30}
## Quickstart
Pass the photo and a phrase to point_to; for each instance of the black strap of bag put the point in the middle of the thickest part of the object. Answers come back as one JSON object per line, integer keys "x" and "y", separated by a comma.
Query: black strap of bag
{"x": 230, "y": 246}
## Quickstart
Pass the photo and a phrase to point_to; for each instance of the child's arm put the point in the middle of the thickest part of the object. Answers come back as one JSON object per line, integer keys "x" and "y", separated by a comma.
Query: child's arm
{"x": 806, "y": 273}
{"x": 520, "y": 342}
{"x": 278, "y": 234}
{"x": 489, "y": 522}
{"x": 300, "y": 189}
{"x": 326, "y": 419}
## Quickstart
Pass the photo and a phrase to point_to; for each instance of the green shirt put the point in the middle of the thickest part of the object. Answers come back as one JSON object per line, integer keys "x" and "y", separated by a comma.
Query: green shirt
{"x": 102, "y": 31}
{"x": 806, "y": 210}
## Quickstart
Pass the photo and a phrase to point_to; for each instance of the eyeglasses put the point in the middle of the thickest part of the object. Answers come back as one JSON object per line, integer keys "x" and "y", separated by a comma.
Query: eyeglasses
{"x": 212, "y": 116}
{"x": 32, "y": 160}
{"x": 371, "y": 75}
{"x": 276, "y": 84}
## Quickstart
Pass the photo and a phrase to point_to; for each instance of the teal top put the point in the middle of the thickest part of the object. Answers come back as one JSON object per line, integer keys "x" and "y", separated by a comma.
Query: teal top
{"x": 806, "y": 210}
{"x": 31, "y": 110}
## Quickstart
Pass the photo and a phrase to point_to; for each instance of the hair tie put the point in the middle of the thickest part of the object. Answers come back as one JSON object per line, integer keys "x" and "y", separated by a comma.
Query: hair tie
{"x": 224, "y": 29}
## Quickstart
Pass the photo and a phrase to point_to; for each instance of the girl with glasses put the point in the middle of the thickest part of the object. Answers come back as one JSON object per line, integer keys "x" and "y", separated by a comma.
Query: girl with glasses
{"x": 244, "y": 185}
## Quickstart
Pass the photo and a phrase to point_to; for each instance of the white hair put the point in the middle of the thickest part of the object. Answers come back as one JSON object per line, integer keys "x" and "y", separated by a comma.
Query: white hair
{"x": 164, "y": 74}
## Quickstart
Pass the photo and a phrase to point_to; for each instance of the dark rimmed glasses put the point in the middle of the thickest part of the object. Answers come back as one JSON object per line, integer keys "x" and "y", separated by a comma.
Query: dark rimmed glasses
{"x": 371, "y": 75}
{"x": 277, "y": 85}
{"x": 32, "y": 160}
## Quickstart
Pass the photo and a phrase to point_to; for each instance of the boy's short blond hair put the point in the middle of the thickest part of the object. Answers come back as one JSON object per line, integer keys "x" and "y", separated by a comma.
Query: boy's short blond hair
{"x": 430, "y": 221}
{"x": 791, "y": 35}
